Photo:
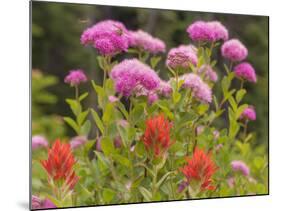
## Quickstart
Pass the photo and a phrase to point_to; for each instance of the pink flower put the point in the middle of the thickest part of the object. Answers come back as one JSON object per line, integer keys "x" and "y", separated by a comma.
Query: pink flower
{"x": 112, "y": 99}
{"x": 216, "y": 134}
{"x": 208, "y": 73}
{"x": 123, "y": 123}
{"x": 182, "y": 56}
{"x": 231, "y": 182}
{"x": 37, "y": 203}
{"x": 207, "y": 31}
{"x": 165, "y": 88}
{"x": 38, "y": 142}
{"x": 234, "y": 50}
{"x": 144, "y": 41}
{"x": 131, "y": 73}
{"x": 75, "y": 77}
{"x": 117, "y": 142}
{"x": 240, "y": 166}
{"x": 245, "y": 71}
{"x": 152, "y": 97}
{"x": 200, "y": 129}
{"x": 199, "y": 88}
{"x": 77, "y": 141}
{"x": 249, "y": 114}
{"x": 108, "y": 37}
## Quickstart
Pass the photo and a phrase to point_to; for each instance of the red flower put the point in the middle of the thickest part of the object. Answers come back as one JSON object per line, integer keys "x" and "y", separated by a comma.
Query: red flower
{"x": 60, "y": 163}
{"x": 156, "y": 137}
{"x": 200, "y": 168}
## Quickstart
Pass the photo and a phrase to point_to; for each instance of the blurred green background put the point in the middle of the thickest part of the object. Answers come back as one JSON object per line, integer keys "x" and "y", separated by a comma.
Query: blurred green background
{"x": 56, "y": 48}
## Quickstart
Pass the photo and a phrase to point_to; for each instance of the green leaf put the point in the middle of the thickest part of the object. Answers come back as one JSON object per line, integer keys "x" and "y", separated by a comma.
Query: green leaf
{"x": 140, "y": 149}
{"x": 97, "y": 121}
{"x": 122, "y": 160}
{"x": 108, "y": 114}
{"x": 166, "y": 110}
{"x": 176, "y": 97}
{"x": 86, "y": 127}
{"x": 74, "y": 105}
{"x": 101, "y": 62}
{"x": 109, "y": 85}
{"x": 240, "y": 110}
{"x": 100, "y": 93}
{"x": 154, "y": 61}
{"x": 240, "y": 94}
{"x": 124, "y": 137}
{"x": 123, "y": 109}
{"x": 232, "y": 103}
{"x": 72, "y": 124}
{"x": 163, "y": 178}
{"x": 107, "y": 146}
{"x": 137, "y": 113}
{"x": 82, "y": 116}
{"x": 108, "y": 195}
{"x": 103, "y": 160}
{"x": 145, "y": 193}
{"x": 83, "y": 96}
{"x": 202, "y": 109}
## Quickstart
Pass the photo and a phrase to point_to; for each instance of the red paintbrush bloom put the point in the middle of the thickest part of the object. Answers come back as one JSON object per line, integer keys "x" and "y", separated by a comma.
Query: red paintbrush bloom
{"x": 60, "y": 163}
{"x": 156, "y": 137}
{"x": 200, "y": 169}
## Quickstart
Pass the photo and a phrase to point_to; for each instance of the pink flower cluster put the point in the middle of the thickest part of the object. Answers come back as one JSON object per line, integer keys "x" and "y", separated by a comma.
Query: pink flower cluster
{"x": 75, "y": 77}
{"x": 208, "y": 73}
{"x": 249, "y": 114}
{"x": 77, "y": 141}
{"x": 207, "y": 31}
{"x": 240, "y": 166}
{"x": 246, "y": 72}
{"x": 199, "y": 88}
{"x": 234, "y": 50}
{"x": 37, "y": 203}
{"x": 131, "y": 73}
{"x": 38, "y": 142}
{"x": 108, "y": 37}
{"x": 143, "y": 40}
{"x": 182, "y": 56}
{"x": 165, "y": 88}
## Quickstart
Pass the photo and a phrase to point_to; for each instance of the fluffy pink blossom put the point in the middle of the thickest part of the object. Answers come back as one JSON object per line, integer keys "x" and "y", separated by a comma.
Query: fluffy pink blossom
{"x": 199, "y": 88}
{"x": 131, "y": 73}
{"x": 208, "y": 73}
{"x": 182, "y": 56}
{"x": 234, "y": 50}
{"x": 112, "y": 99}
{"x": 246, "y": 72}
{"x": 75, "y": 77}
{"x": 77, "y": 141}
{"x": 143, "y": 40}
{"x": 249, "y": 114}
{"x": 39, "y": 141}
{"x": 207, "y": 31}
{"x": 152, "y": 97}
{"x": 108, "y": 37}
{"x": 142, "y": 91}
{"x": 240, "y": 166}
{"x": 165, "y": 88}
{"x": 37, "y": 203}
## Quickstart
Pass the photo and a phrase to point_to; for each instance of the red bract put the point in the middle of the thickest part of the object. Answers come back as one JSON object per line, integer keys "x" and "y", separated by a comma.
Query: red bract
{"x": 200, "y": 168}
{"x": 60, "y": 163}
{"x": 156, "y": 137}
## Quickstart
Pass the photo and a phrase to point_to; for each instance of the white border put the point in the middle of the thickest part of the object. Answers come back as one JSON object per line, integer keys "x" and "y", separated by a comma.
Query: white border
{"x": 15, "y": 91}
